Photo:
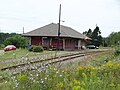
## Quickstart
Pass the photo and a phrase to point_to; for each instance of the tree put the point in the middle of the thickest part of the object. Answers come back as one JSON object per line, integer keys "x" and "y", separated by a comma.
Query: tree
{"x": 114, "y": 39}
{"x": 95, "y": 36}
{"x": 18, "y": 41}
{"x": 89, "y": 33}
{"x": 4, "y": 36}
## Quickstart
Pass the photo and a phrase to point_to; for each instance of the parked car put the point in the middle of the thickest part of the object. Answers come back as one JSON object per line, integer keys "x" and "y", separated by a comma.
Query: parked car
{"x": 92, "y": 47}
{"x": 9, "y": 48}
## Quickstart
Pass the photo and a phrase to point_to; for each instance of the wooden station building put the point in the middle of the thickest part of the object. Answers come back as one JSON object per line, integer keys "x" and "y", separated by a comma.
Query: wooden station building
{"x": 47, "y": 36}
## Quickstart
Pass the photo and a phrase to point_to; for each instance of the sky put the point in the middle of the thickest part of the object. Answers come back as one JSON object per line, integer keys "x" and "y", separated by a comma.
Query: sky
{"x": 77, "y": 14}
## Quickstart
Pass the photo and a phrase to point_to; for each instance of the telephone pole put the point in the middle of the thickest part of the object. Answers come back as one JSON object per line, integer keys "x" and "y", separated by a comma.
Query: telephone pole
{"x": 23, "y": 30}
{"x": 58, "y": 46}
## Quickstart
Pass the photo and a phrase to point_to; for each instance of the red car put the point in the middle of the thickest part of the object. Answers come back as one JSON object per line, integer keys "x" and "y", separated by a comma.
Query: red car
{"x": 9, "y": 48}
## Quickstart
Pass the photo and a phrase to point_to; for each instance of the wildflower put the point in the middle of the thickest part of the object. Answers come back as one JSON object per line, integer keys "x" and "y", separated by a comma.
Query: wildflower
{"x": 76, "y": 88}
{"x": 14, "y": 73}
{"x": 55, "y": 69}
{"x": 56, "y": 72}
{"x": 46, "y": 66}
{"x": 31, "y": 79}
{"x": 26, "y": 59}
{"x": 110, "y": 64}
{"x": 49, "y": 64}
{"x": 31, "y": 74}
{"x": 13, "y": 77}
{"x": 17, "y": 84}
{"x": 45, "y": 78}
{"x": 80, "y": 68}
{"x": 37, "y": 75}
{"x": 76, "y": 82}
{"x": 19, "y": 66}
{"x": 32, "y": 68}
{"x": 59, "y": 85}
{"x": 39, "y": 70}
{"x": 42, "y": 67}
{"x": 42, "y": 81}
{"x": 71, "y": 84}
{"x": 27, "y": 55}
{"x": 60, "y": 75}
{"x": 22, "y": 58}
{"x": 84, "y": 76}
{"x": 5, "y": 81}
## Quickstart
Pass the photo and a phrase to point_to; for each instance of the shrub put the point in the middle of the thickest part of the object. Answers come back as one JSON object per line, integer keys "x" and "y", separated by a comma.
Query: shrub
{"x": 31, "y": 48}
{"x": 36, "y": 48}
{"x": 117, "y": 51}
{"x": 2, "y": 46}
{"x": 18, "y": 41}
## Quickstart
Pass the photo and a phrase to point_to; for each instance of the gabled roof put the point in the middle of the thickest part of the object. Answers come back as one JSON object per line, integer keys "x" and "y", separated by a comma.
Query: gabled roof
{"x": 52, "y": 30}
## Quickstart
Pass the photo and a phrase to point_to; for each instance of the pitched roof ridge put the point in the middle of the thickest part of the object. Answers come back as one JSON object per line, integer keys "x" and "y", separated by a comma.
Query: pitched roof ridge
{"x": 52, "y": 30}
{"x": 71, "y": 28}
{"x": 40, "y": 27}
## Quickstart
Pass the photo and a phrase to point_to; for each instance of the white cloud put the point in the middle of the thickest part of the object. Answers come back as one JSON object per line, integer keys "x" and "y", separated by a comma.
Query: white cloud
{"x": 78, "y": 14}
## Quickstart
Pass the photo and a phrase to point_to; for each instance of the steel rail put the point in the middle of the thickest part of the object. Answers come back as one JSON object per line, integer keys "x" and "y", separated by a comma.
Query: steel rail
{"x": 52, "y": 60}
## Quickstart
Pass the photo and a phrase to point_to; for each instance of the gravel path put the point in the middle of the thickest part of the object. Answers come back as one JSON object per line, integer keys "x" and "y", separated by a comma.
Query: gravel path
{"x": 25, "y": 59}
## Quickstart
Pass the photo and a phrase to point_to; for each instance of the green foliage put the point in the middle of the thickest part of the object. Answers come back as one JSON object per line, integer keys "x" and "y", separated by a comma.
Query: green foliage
{"x": 2, "y": 46}
{"x": 114, "y": 39}
{"x": 117, "y": 51}
{"x": 4, "y": 36}
{"x": 95, "y": 35}
{"x": 36, "y": 48}
{"x": 17, "y": 40}
{"x": 104, "y": 77}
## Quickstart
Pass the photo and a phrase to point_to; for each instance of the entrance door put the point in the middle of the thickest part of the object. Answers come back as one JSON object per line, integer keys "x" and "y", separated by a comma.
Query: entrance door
{"x": 55, "y": 43}
{"x": 46, "y": 42}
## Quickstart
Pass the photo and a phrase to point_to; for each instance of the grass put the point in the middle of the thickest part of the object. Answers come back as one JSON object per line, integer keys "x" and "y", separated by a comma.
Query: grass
{"x": 99, "y": 72}
{"x": 11, "y": 58}
{"x": 19, "y": 53}
{"x": 21, "y": 56}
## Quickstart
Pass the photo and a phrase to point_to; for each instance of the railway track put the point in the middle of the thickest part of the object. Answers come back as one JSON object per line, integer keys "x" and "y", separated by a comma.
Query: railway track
{"x": 50, "y": 60}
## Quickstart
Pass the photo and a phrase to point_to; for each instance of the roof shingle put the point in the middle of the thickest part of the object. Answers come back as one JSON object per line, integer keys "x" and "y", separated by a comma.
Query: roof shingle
{"x": 52, "y": 30}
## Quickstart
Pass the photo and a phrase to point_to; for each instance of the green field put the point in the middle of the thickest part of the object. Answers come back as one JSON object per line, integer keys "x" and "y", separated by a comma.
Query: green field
{"x": 19, "y": 53}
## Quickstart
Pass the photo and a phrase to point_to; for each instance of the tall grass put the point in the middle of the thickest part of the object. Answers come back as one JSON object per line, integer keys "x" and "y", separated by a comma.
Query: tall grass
{"x": 101, "y": 76}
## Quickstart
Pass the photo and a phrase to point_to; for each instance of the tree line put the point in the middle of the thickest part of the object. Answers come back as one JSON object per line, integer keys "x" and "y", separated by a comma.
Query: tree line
{"x": 13, "y": 39}
{"x": 96, "y": 39}
{"x": 113, "y": 39}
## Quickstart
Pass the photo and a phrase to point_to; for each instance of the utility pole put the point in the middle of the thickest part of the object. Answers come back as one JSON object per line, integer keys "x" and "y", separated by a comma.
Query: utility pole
{"x": 23, "y": 30}
{"x": 58, "y": 46}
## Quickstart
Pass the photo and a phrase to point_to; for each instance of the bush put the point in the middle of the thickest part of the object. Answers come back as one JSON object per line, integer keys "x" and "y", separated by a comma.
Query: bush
{"x": 36, "y": 48}
{"x": 117, "y": 51}
{"x": 2, "y": 46}
{"x": 18, "y": 41}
